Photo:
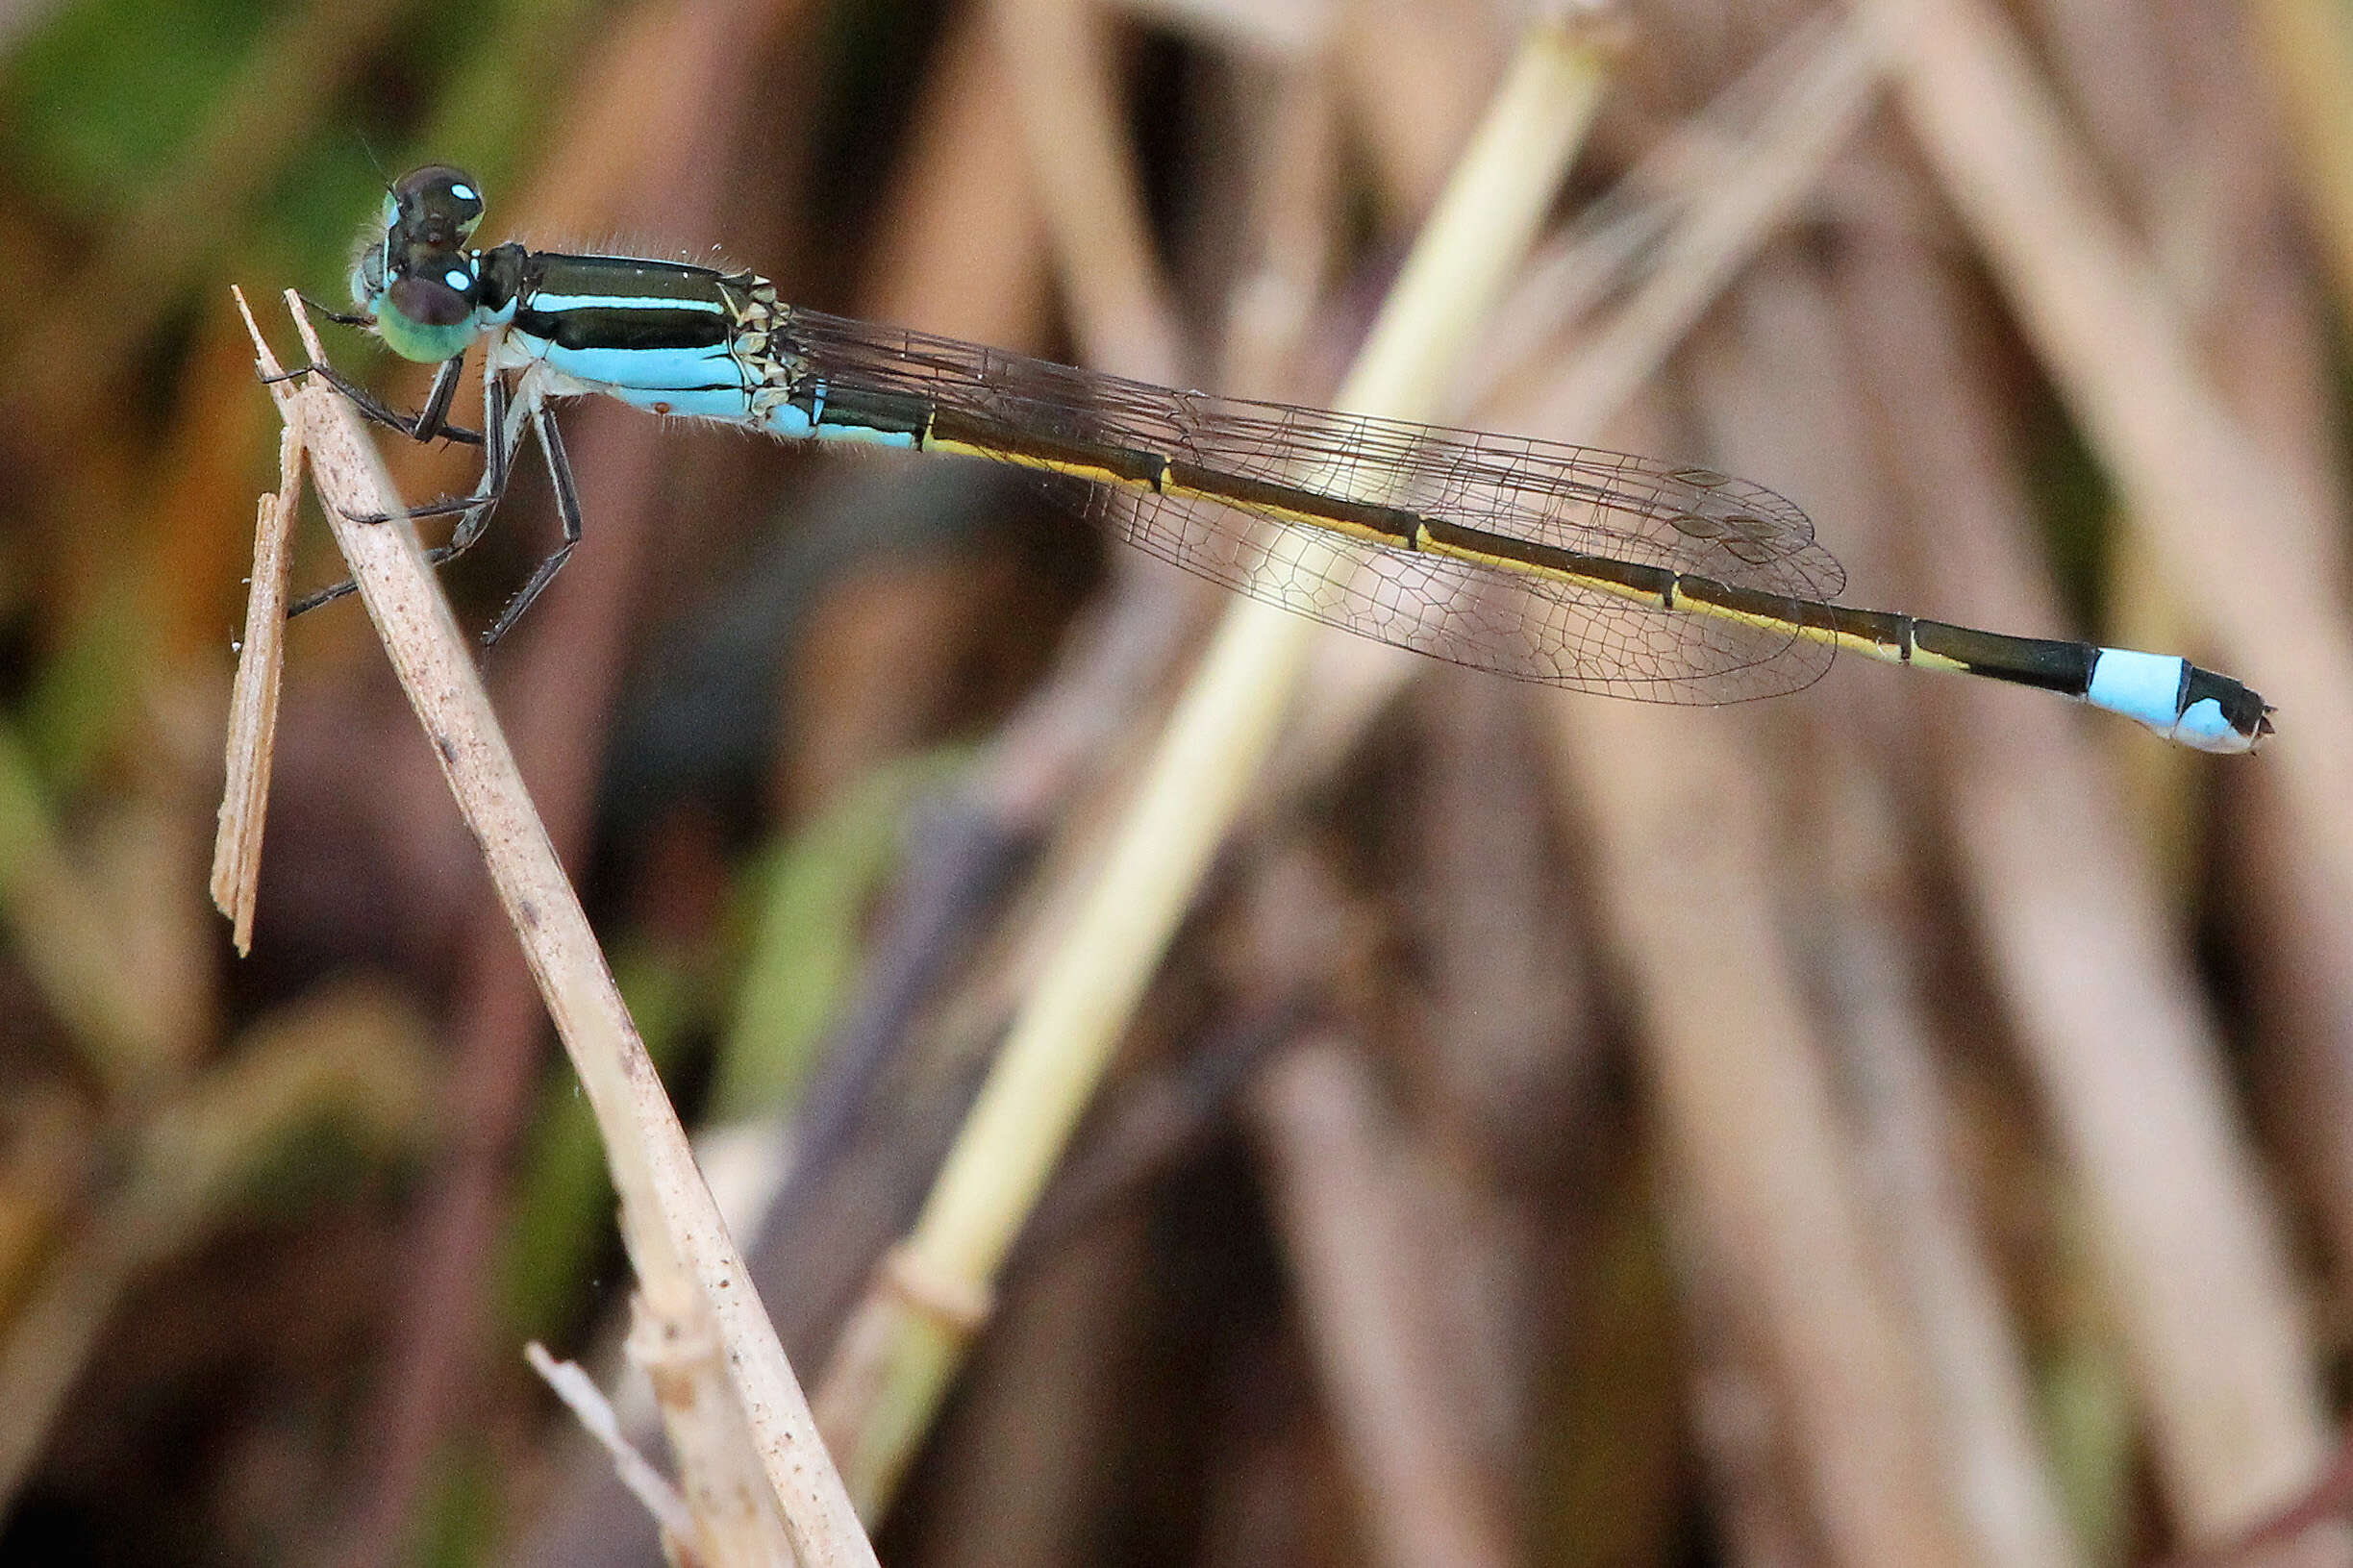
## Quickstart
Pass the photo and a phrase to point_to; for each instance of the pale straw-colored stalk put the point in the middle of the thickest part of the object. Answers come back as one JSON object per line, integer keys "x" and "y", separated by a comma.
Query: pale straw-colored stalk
{"x": 2238, "y": 1425}
{"x": 906, "y": 1340}
{"x": 689, "y": 1274}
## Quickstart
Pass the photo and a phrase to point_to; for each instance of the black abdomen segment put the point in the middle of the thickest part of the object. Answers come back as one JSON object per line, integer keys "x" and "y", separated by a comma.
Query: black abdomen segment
{"x": 913, "y": 421}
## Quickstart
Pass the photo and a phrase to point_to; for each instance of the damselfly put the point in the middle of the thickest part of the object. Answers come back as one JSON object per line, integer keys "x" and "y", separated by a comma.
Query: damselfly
{"x": 1547, "y": 562}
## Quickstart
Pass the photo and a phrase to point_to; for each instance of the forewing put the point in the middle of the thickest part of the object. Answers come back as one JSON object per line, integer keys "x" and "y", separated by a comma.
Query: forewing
{"x": 1687, "y": 519}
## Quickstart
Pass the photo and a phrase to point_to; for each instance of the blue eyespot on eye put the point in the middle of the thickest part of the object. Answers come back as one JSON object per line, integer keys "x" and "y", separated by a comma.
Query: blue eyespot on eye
{"x": 436, "y": 206}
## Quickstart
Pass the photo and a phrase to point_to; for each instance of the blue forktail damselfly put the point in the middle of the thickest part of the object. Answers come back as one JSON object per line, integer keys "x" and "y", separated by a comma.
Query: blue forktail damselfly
{"x": 1562, "y": 565}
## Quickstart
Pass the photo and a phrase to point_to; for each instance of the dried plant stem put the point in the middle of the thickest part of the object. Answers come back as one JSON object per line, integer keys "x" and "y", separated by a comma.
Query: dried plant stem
{"x": 597, "y": 1418}
{"x": 2234, "y": 1432}
{"x": 2218, "y": 516}
{"x": 907, "y": 1338}
{"x": 1087, "y": 188}
{"x": 733, "y": 1509}
{"x": 2308, "y": 50}
{"x": 2124, "y": 1053}
{"x": 1748, "y": 1106}
{"x": 253, "y": 700}
{"x": 180, "y": 1166}
{"x": 1769, "y": 173}
{"x": 688, "y": 1269}
{"x": 1807, "y": 121}
{"x": 1343, "y": 1210}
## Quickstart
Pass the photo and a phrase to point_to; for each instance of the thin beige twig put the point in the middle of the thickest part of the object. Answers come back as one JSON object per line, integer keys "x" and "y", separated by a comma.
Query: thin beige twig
{"x": 1343, "y": 1209}
{"x": 686, "y": 1261}
{"x": 253, "y": 700}
{"x": 1760, "y": 179}
{"x": 596, "y": 1417}
{"x": 2236, "y": 1422}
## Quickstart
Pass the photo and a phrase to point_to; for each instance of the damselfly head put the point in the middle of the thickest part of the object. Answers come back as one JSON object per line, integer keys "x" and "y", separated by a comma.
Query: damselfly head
{"x": 423, "y": 301}
{"x": 433, "y": 289}
{"x": 415, "y": 279}
{"x": 434, "y": 208}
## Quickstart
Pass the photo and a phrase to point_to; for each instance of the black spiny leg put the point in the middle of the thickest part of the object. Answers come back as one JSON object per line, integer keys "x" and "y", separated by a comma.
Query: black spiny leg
{"x": 341, "y": 319}
{"x": 497, "y": 468}
{"x": 428, "y": 423}
{"x": 476, "y": 508}
{"x": 497, "y": 460}
{"x": 433, "y": 419}
{"x": 567, "y": 509}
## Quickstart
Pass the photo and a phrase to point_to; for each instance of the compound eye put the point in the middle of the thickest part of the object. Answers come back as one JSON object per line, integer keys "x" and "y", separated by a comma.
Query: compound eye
{"x": 437, "y": 207}
{"x": 429, "y": 301}
{"x": 368, "y": 277}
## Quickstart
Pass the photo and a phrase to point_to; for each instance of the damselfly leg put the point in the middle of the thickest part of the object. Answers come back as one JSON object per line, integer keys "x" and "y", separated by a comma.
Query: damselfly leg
{"x": 428, "y": 424}
{"x": 503, "y": 416}
{"x": 567, "y": 512}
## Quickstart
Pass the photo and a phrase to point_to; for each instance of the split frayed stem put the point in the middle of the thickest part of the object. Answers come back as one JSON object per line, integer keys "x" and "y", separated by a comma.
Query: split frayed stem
{"x": 689, "y": 1273}
{"x": 253, "y": 700}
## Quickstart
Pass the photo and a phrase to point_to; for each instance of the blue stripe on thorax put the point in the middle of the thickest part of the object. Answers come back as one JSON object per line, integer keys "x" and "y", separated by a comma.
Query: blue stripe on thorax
{"x": 654, "y": 334}
{"x": 652, "y": 369}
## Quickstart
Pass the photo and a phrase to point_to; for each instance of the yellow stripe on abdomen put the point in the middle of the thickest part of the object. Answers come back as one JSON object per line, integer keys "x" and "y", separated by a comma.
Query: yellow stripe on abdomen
{"x": 1623, "y": 579}
{"x": 1876, "y": 634}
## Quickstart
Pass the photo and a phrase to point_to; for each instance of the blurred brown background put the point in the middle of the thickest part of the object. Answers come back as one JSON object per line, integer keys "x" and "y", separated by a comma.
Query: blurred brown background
{"x": 1907, "y": 1122}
